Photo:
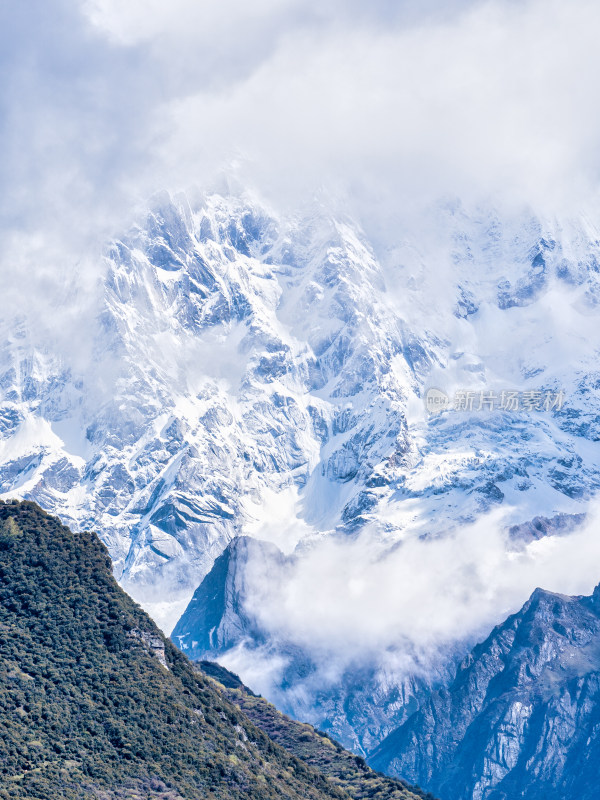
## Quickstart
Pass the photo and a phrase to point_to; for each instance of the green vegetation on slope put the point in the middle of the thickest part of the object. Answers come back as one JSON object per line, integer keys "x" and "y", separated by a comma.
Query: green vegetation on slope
{"x": 347, "y": 771}
{"x": 87, "y": 708}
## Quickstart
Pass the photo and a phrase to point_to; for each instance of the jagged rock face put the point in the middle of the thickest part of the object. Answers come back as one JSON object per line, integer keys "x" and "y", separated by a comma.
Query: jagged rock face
{"x": 237, "y": 359}
{"x": 253, "y": 375}
{"x": 154, "y": 644}
{"x": 260, "y": 376}
{"x": 217, "y": 617}
{"x": 521, "y": 718}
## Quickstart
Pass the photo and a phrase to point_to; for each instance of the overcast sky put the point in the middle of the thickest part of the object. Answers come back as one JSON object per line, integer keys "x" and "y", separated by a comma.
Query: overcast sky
{"x": 384, "y": 104}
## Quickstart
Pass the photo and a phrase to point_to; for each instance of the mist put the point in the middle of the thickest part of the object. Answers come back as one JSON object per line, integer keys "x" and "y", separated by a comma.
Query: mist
{"x": 383, "y": 109}
{"x": 412, "y": 610}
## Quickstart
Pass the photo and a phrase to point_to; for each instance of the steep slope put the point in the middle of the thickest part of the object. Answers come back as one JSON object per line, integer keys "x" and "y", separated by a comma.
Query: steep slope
{"x": 522, "y": 717}
{"x": 347, "y": 771}
{"x": 218, "y": 616}
{"x": 95, "y": 702}
{"x": 211, "y": 393}
{"x": 250, "y": 373}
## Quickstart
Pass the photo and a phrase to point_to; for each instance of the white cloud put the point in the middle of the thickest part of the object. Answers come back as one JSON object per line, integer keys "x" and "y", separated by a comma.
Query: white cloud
{"x": 387, "y": 105}
{"x": 346, "y": 600}
{"x": 495, "y": 101}
{"x": 75, "y": 112}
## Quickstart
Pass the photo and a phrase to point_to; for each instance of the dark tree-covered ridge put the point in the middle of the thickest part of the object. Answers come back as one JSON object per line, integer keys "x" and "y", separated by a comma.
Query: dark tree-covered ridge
{"x": 96, "y": 702}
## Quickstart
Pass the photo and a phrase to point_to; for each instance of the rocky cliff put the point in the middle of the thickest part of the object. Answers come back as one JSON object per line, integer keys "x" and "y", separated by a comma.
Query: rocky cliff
{"x": 521, "y": 718}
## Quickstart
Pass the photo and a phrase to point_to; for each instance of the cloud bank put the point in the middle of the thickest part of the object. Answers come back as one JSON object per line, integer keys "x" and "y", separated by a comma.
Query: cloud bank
{"x": 385, "y": 105}
{"x": 492, "y": 102}
{"x": 350, "y": 601}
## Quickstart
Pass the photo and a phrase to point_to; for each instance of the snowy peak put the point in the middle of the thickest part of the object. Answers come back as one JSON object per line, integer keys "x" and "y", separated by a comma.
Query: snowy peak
{"x": 257, "y": 375}
{"x": 212, "y": 390}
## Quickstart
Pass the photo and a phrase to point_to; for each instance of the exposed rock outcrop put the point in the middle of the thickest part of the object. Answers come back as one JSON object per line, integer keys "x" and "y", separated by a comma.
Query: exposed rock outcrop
{"x": 522, "y": 717}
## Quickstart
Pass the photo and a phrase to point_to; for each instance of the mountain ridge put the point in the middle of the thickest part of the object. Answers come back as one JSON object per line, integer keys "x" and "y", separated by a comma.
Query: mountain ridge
{"x": 96, "y": 702}
{"x": 355, "y": 703}
{"x": 260, "y": 375}
{"x": 263, "y": 374}
{"x": 520, "y": 718}
{"x": 315, "y": 747}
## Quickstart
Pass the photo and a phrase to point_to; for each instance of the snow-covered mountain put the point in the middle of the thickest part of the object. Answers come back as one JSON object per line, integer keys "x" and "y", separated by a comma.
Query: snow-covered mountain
{"x": 264, "y": 375}
{"x": 238, "y": 362}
